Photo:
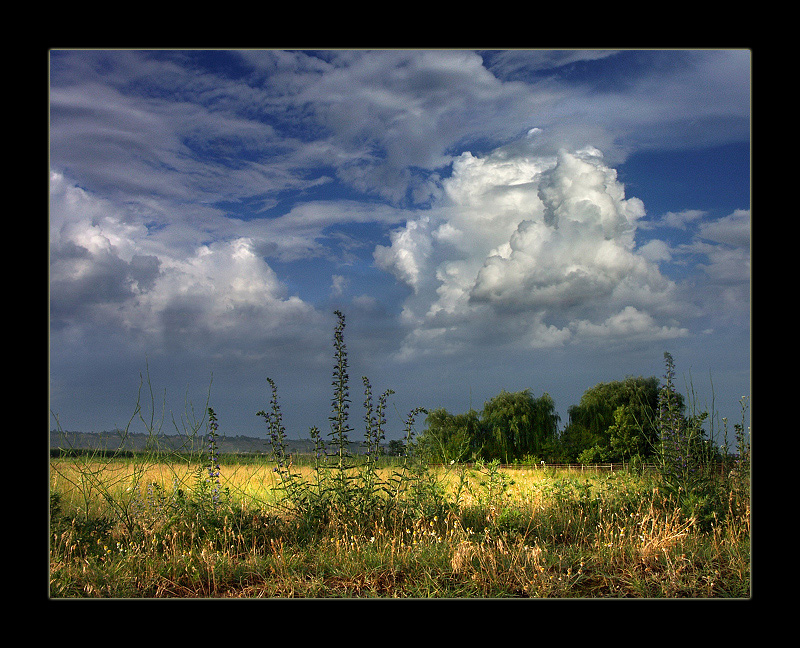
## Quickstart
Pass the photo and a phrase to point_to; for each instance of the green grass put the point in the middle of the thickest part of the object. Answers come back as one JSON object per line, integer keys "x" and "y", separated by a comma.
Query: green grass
{"x": 496, "y": 533}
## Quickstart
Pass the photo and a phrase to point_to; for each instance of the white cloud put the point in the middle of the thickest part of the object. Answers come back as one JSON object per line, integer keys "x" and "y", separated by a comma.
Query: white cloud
{"x": 680, "y": 220}
{"x": 162, "y": 125}
{"x": 725, "y": 243}
{"x": 629, "y": 324}
{"x": 728, "y": 266}
{"x": 519, "y": 63}
{"x": 106, "y": 270}
{"x": 409, "y": 249}
{"x": 532, "y": 250}
{"x": 338, "y": 285}
{"x": 733, "y": 229}
{"x": 579, "y": 248}
{"x": 655, "y": 250}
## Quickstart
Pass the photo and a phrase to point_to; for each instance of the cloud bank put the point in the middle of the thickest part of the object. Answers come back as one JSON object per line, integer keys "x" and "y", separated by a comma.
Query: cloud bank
{"x": 543, "y": 246}
{"x": 110, "y": 272}
{"x": 519, "y": 250}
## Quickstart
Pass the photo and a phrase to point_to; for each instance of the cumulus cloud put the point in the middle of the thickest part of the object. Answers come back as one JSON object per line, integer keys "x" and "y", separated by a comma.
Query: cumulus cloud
{"x": 630, "y": 324}
{"x": 224, "y": 289}
{"x": 733, "y": 230}
{"x": 578, "y": 249}
{"x": 680, "y": 220}
{"x": 656, "y": 250}
{"x": 407, "y": 254}
{"x": 539, "y": 250}
{"x": 107, "y": 270}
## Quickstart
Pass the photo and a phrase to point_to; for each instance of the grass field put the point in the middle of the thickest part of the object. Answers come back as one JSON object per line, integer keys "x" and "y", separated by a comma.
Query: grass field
{"x": 146, "y": 529}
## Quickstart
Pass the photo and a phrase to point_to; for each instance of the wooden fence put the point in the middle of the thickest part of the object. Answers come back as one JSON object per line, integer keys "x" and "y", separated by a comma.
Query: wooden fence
{"x": 569, "y": 468}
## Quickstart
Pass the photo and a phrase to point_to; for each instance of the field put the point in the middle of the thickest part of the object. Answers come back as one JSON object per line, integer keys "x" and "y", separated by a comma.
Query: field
{"x": 145, "y": 528}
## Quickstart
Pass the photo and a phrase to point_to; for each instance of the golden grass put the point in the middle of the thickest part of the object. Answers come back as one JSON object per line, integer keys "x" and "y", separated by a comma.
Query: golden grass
{"x": 253, "y": 483}
{"x": 565, "y": 546}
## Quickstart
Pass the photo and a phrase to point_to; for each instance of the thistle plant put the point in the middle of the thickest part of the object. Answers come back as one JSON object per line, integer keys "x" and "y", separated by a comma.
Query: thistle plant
{"x": 742, "y": 440}
{"x": 292, "y": 484}
{"x": 373, "y": 431}
{"x": 341, "y": 397}
{"x": 740, "y": 470}
{"x": 275, "y": 430}
{"x": 213, "y": 457}
{"x": 674, "y": 450}
{"x": 411, "y": 488}
{"x": 409, "y": 429}
{"x": 343, "y": 487}
{"x": 688, "y": 463}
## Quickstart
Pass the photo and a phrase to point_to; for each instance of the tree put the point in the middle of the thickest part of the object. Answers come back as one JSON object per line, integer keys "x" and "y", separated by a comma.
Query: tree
{"x": 516, "y": 425}
{"x": 597, "y": 419}
{"x": 510, "y": 427}
{"x": 396, "y": 447}
{"x": 625, "y": 435}
{"x": 448, "y": 437}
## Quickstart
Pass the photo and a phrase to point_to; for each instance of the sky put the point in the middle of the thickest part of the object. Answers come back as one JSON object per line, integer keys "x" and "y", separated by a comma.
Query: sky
{"x": 486, "y": 221}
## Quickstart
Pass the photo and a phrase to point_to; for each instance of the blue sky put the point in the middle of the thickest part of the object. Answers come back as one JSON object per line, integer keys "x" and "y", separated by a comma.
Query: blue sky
{"x": 485, "y": 220}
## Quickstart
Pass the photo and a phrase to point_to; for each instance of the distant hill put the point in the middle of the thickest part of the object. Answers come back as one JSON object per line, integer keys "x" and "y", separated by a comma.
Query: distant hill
{"x": 115, "y": 440}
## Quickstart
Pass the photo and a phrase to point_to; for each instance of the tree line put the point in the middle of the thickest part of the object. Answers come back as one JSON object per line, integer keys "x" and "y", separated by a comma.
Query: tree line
{"x": 613, "y": 422}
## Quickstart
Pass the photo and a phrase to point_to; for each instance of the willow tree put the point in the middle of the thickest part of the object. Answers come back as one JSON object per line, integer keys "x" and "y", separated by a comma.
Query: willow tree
{"x": 516, "y": 425}
{"x": 449, "y": 437}
{"x": 616, "y": 418}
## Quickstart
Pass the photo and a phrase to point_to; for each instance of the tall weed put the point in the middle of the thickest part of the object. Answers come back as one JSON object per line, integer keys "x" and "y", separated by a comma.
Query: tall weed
{"x": 705, "y": 481}
{"x": 345, "y": 487}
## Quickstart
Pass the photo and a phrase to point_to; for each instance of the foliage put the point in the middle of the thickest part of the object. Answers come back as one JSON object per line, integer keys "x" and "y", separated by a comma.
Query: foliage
{"x": 511, "y": 427}
{"x": 694, "y": 473}
{"x": 449, "y": 437}
{"x": 516, "y": 425}
{"x": 345, "y": 487}
{"x": 614, "y": 421}
{"x": 494, "y": 493}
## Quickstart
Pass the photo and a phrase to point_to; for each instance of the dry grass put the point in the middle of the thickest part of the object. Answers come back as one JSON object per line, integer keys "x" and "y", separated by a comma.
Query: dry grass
{"x": 540, "y": 536}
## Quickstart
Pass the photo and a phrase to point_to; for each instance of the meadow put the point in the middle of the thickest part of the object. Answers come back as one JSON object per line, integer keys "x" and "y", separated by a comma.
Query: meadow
{"x": 123, "y": 529}
{"x": 160, "y": 523}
